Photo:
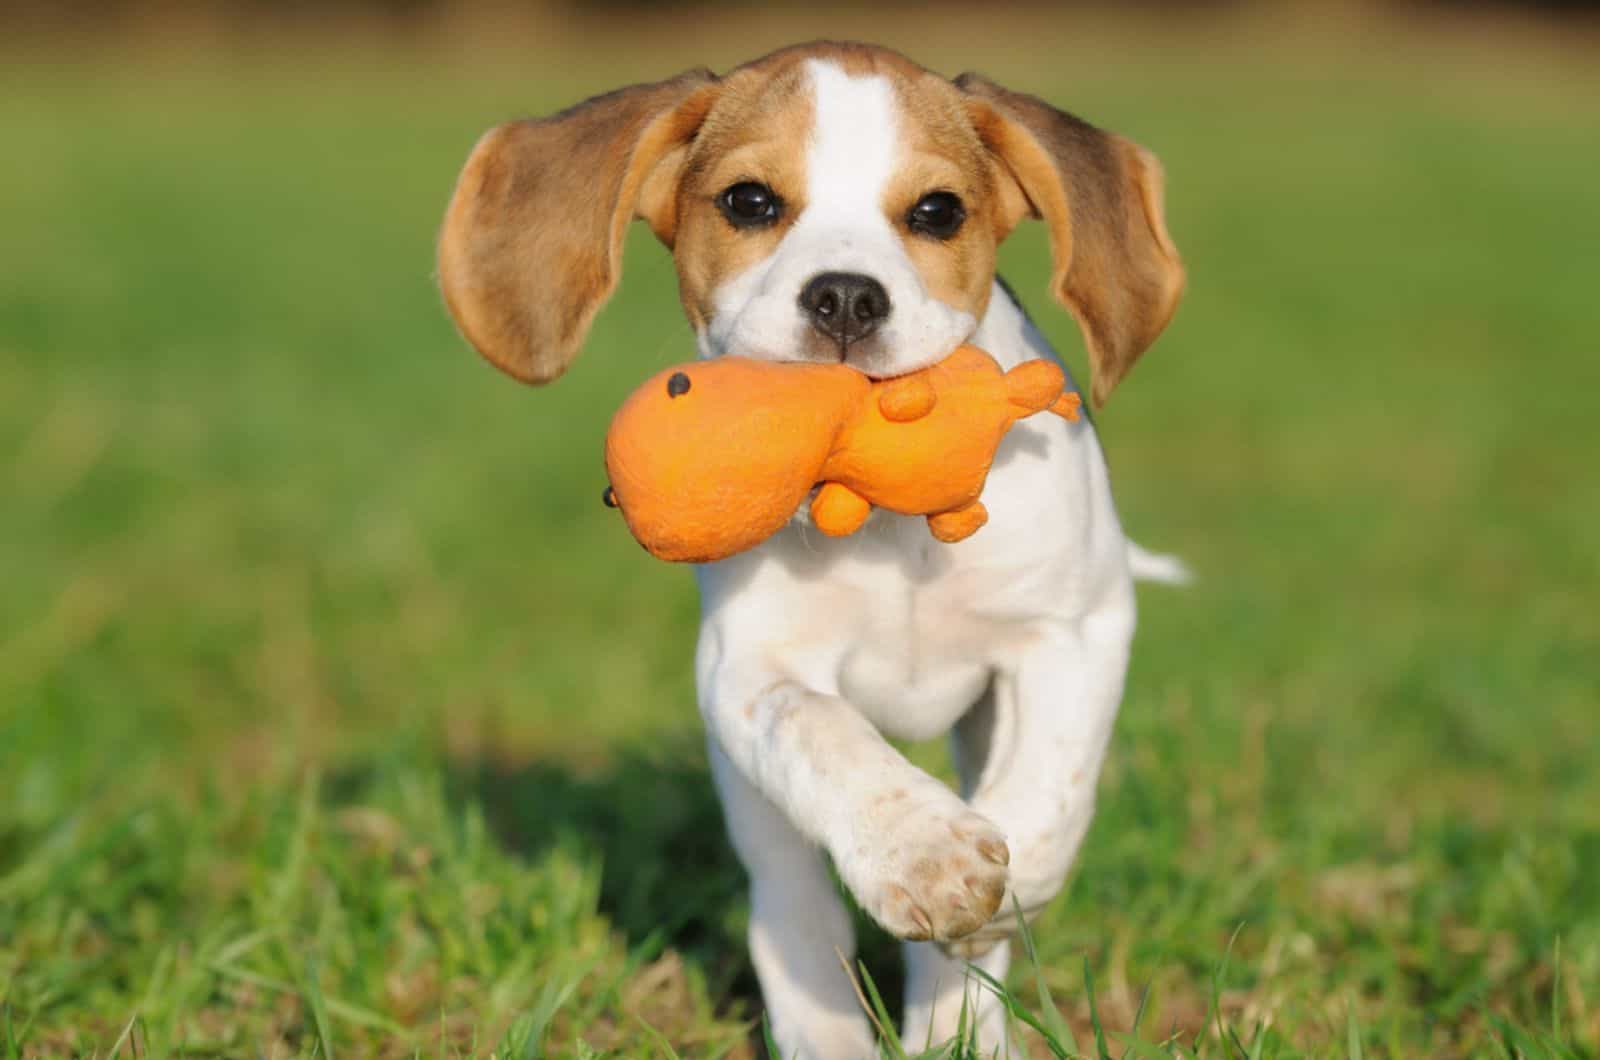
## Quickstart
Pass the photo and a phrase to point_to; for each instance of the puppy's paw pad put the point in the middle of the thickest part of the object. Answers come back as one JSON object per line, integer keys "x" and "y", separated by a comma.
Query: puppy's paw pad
{"x": 936, "y": 871}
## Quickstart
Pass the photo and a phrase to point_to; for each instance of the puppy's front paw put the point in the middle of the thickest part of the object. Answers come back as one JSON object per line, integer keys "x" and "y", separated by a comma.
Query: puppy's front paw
{"x": 927, "y": 867}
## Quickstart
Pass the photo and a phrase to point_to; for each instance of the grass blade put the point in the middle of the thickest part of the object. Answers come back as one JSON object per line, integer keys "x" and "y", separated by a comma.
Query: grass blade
{"x": 1138, "y": 1048}
{"x": 557, "y": 991}
{"x": 127, "y": 1029}
{"x": 1258, "y": 1041}
{"x": 1016, "y": 1011}
{"x": 1138, "y": 1015}
{"x": 767, "y": 1039}
{"x": 1215, "y": 1015}
{"x": 311, "y": 993}
{"x": 1094, "y": 1013}
{"x": 881, "y": 1018}
{"x": 657, "y": 1037}
{"x": 1054, "y": 1027}
{"x": 1555, "y": 995}
{"x": 1352, "y": 1035}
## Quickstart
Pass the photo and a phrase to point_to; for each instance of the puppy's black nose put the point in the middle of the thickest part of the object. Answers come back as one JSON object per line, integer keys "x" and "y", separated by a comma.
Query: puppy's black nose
{"x": 845, "y": 306}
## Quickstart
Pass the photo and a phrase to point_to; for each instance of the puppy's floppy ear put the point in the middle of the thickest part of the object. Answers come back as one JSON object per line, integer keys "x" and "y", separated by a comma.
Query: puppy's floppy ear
{"x": 532, "y": 241}
{"x": 1115, "y": 266}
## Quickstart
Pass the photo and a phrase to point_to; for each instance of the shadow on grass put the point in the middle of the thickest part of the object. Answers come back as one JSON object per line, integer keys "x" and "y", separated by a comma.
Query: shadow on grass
{"x": 669, "y": 876}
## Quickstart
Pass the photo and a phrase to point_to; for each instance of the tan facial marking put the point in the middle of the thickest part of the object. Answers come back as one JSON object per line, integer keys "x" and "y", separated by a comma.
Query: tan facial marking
{"x": 940, "y": 151}
{"x": 751, "y": 134}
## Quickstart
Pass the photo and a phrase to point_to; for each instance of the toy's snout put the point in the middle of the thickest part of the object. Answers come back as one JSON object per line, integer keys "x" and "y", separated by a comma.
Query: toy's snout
{"x": 677, "y": 385}
{"x": 709, "y": 459}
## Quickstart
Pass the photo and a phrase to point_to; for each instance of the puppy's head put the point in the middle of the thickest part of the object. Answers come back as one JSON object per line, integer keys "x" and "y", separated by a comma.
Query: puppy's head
{"x": 827, "y": 202}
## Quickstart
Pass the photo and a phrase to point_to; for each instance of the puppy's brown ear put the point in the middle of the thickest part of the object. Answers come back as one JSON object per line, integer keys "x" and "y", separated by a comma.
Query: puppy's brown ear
{"x": 532, "y": 241}
{"x": 1115, "y": 266}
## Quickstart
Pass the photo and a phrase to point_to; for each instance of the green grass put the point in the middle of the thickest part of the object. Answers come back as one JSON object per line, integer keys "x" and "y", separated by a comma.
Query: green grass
{"x": 337, "y": 717}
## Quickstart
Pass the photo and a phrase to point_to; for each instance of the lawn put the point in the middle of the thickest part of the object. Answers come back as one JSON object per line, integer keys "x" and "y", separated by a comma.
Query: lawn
{"x": 338, "y": 717}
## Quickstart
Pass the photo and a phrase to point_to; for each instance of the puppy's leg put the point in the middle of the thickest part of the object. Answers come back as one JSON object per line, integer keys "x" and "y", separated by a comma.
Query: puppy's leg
{"x": 1030, "y": 754}
{"x": 939, "y": 984}
{"x": 919, "y": 861}
{"x": 798, "y": 927}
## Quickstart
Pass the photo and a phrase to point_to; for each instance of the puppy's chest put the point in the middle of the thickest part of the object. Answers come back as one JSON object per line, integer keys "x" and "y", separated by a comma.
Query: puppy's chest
{"x": 911, "y": 632}
{"x": 913, "y": 654}
{"x": 908, "y": 631}
{"x": 909, "y": 675}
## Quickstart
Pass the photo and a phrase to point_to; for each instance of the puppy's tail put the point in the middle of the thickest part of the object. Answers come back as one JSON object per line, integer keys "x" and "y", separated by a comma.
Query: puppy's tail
{"x": 1161, "y": 567}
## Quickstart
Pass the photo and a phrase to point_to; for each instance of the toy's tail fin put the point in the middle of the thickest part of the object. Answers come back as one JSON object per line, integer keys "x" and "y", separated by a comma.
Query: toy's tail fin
{"x": 1041, "y": 385}
{"x": 1067, "y": 405}
{"x": 1033, "y": 385}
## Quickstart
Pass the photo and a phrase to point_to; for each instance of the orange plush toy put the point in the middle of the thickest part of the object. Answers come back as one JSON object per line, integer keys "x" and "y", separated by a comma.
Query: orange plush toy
{"x": 712, "y": 458}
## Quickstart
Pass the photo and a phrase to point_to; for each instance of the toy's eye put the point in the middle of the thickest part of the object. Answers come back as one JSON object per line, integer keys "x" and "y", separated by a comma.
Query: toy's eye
{"x": 938, "y": 214}
{"x": 748, "y": 204}
{"x": 677, "y": 385}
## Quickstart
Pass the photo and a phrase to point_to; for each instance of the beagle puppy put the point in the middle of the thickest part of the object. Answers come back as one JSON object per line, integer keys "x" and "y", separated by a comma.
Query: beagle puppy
{"x": 837, "y": 202}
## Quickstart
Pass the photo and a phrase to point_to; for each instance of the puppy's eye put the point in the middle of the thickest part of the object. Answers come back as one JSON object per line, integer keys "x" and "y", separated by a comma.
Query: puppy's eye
{"x": 748, "y": 204}
{"x": 938, "y": 214}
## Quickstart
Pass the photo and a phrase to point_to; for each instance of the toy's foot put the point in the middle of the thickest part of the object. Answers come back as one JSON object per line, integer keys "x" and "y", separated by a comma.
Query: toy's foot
{"x": 959, "y": 524}
{"x": 839, "y": 510}
{"x": 908, "y": 398}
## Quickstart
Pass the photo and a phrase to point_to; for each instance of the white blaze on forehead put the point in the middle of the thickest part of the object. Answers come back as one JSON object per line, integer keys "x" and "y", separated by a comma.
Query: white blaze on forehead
{"x": 851, "y": 153}
{"x": 853, "y": 145}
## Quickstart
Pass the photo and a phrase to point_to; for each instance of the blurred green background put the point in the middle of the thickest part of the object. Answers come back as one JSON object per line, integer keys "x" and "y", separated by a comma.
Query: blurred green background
{"x": 336, "y": 715}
